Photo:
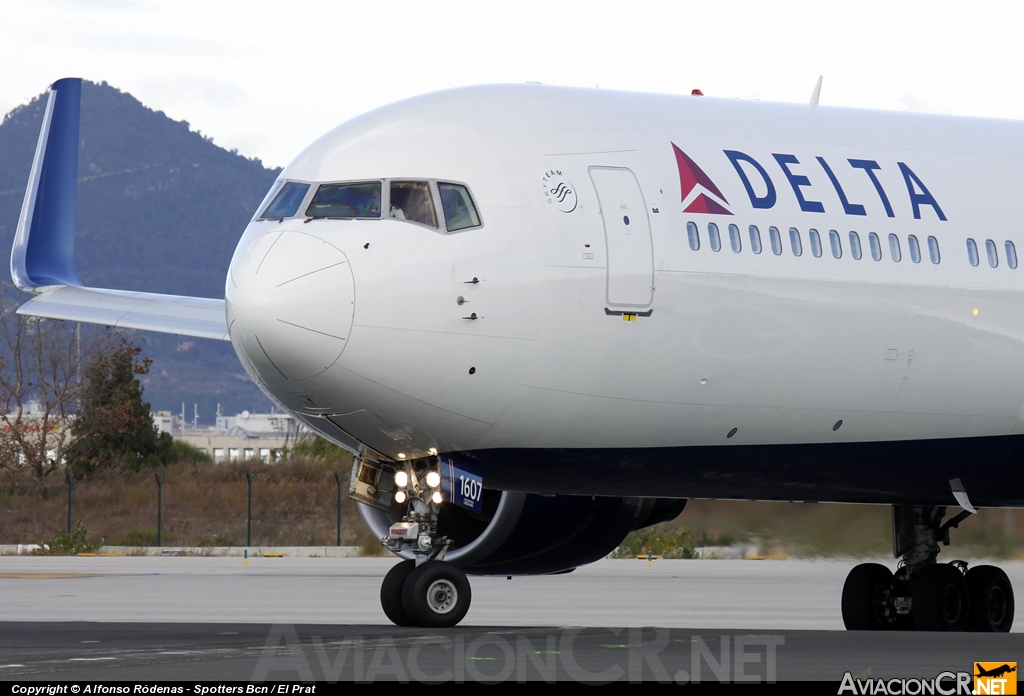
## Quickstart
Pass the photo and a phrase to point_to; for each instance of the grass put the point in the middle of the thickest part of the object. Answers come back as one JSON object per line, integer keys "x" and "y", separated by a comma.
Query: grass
{"x": 676, "y": 543}
{"x": 204, "y": 505}
{"x": 293, "y": 504}
{"x": 830, "y": 530}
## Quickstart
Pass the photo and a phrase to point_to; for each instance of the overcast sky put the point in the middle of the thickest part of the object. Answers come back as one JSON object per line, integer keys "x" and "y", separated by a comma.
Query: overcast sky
{"x": 269, "y": 77}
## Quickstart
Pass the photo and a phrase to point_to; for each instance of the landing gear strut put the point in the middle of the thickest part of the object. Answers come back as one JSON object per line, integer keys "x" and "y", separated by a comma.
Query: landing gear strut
{"x": 923, "y": 594}
{"x": 427, "y": 591}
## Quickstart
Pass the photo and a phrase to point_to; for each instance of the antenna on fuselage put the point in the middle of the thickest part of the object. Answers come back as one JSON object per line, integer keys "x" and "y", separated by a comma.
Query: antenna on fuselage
{"x": 816, "y": 94}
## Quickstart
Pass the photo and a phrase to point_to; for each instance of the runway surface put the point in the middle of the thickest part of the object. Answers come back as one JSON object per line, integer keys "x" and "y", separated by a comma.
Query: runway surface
{"x": 138, "y": 618}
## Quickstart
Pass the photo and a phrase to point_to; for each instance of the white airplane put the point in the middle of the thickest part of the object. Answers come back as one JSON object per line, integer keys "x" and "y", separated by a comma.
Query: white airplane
{"x": 542, "y": 317}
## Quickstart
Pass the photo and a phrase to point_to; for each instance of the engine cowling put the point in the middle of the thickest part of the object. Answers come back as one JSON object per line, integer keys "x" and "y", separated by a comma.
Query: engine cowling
{"x": 529, "y": 534}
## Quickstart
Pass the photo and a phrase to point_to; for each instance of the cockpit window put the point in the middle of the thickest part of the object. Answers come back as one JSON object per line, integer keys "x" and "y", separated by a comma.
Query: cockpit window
{"x": 411, "y": 200}
{"x": 286, "y": 203}
{"x": 459, "y": 211}
{"x": 355, "y": 200}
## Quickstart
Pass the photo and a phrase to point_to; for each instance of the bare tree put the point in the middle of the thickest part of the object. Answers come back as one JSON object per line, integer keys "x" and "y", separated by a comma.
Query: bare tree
{"x": 41, "y": 363}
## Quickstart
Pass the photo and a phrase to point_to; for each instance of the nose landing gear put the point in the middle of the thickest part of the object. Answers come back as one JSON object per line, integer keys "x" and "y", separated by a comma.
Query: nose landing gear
{"x": 925, "y": 595}
{"x": 426, "y": 592}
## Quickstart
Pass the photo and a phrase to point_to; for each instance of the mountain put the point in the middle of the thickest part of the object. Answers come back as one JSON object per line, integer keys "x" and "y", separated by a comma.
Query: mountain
{"x": 160, "y": 209}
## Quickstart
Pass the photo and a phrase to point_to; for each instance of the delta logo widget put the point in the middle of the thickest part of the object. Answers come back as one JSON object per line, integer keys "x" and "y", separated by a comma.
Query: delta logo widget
{"x": 698, "y": 188}
{"x": 699, "y": 194}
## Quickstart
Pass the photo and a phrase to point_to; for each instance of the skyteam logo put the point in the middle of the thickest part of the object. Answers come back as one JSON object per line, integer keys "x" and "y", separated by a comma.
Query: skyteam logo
{"x": 559, "y": 191}
{"x": 699, "y": 192}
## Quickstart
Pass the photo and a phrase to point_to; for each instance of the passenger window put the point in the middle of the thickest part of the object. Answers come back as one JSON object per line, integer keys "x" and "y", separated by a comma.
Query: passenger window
{"x": 736, "y": 241}
{"x": 459, "y": 211}
{"x": 876, "y": 246}
{"x": 894, "y": 248}
{"x": 713, "y": 237}
{"x": 794, "y": 241}
{"x": 358, "y": 200}
{"x": 855, "y": 245}
{"x": 755, "y": 239}
{"x": 972, "y": 252}
{"x": 993, "y": 254}
{"x": 837, "y": 244}
{"x": 815, "y": 242}
{"x": 933, "y": 249}
{"x": 693, "y": 235}
{"x": 915, "y": 249}
{"x": 1011, "y": 254}
{"x": 287, "y": 202}
{"x": 411, "y": 200}
{"x": 773, "y": 235}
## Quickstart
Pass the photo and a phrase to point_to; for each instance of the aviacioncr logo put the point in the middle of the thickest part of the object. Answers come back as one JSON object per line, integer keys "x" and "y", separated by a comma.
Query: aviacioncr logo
{"x": 559, "y": 191}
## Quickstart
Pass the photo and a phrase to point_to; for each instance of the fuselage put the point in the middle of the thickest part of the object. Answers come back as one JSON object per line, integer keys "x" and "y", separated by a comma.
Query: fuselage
{"x": 603, "y": 329}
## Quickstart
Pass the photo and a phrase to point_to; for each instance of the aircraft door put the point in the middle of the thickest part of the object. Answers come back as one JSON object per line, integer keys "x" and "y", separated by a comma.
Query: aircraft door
{"x": 627, "y": 233}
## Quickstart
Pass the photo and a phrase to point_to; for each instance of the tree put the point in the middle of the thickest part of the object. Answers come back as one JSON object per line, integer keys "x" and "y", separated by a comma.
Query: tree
{"x": 40, "y": 365}
{"x": 114, "y": 427}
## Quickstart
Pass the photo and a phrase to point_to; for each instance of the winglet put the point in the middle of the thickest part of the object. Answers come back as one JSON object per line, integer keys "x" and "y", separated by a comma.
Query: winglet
{"x": 43, "y": 252}
{"x": 43, "y": 256}
{"x": 816, "y": 94}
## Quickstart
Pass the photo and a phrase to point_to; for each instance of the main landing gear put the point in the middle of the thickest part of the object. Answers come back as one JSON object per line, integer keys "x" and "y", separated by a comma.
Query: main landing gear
{"x": 425, "y": 592}
{"x": 922, "y": 594}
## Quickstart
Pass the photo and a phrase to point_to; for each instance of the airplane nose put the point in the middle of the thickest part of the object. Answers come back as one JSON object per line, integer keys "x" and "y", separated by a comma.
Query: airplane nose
{"x": 289, "y": 304}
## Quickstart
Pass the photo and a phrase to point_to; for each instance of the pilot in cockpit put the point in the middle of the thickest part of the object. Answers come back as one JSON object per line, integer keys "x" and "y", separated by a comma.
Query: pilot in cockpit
{"x": 411, "y": 200}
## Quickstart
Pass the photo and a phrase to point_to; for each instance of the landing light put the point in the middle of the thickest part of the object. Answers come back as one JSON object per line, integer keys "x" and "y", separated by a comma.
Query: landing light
{"x": 433, "y": 479}
{"x": 400, "y": 497}
{"x": 401, "y": 479}
{"x": 436, "y": 497}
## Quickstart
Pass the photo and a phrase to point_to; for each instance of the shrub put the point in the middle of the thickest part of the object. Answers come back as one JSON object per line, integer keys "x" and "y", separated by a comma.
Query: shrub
{"x": 65, "y": 544}
{"x": 664, "y": 544}
{"x": 371, "y": 547}
{"x": 316, "y": 447}
{"x": 179, "y": 451}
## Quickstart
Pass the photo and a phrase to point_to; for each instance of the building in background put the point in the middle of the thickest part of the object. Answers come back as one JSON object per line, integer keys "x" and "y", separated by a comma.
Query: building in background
{"x": 271, "y": 424}
{"x": 234, "y": 438}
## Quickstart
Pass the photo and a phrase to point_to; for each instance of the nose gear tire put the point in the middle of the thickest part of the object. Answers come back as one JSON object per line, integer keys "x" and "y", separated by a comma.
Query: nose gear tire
{"x": 391, "y": 593}
{"x": 436, "y": 595}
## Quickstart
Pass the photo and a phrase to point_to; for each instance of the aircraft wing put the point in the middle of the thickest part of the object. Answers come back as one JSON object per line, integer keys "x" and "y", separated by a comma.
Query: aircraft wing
{"x": 42, "y": 259}
{"x": 188, "y": 316}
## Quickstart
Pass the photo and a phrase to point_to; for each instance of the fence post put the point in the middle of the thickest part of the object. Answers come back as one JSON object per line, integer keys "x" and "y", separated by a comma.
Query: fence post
{"x": 70, "y": 476}
{"x": 337, "y": 477}
{"x": 159, "y": 507}
{"x": 248, "y": 527}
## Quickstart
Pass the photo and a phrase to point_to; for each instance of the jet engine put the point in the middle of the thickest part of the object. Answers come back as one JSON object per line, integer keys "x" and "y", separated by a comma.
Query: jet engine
{"x": 527, "y": 534}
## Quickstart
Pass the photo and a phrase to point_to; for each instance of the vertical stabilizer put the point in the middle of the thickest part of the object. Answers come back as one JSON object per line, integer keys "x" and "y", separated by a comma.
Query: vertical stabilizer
{"x": 44, "y": 243}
